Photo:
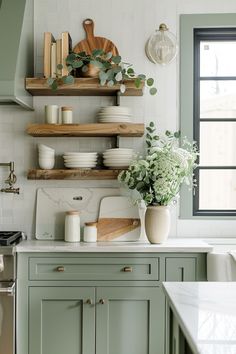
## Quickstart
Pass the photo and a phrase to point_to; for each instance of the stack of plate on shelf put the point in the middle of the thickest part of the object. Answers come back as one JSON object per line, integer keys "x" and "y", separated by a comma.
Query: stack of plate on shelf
{"x": 117, "y": 158}
{"x": 114, "y": 114}
{"x": 80, "y": 159}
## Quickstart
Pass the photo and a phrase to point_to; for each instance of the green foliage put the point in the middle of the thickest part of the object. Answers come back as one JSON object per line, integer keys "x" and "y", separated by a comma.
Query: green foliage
{"x": 112, "y": 70}
{"x": 157, "y": 177}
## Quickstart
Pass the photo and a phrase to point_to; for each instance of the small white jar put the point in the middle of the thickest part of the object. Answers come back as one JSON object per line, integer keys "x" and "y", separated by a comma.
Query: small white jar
{"x": 72, "y": 226}
{"x": 51, "y": 114}
{"x": 67, "y": 115}
{"x": 90, "y": 232}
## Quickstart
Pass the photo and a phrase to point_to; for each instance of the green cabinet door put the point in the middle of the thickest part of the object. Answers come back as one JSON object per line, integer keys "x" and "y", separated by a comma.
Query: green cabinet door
{"x": 61, "y": 320}
{"x": 129, "y": 320}
{"x": 180, "y": 269}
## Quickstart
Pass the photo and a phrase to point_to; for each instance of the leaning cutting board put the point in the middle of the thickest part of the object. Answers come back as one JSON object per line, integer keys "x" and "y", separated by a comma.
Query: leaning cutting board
{"x": 52, "y": 203}
{"x": 118, "y": 220}
{"x": 90, "y": 43}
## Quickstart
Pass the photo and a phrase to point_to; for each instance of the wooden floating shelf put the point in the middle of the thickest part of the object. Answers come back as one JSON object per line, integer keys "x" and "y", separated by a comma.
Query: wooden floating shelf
{"x": 73, "y": 174}
{"x": 81, "y": 87}
{"x": 86, "y": 130}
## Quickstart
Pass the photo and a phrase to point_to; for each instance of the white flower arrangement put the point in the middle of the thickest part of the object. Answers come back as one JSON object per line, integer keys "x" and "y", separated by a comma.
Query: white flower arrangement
{"x": 158, "y": 177}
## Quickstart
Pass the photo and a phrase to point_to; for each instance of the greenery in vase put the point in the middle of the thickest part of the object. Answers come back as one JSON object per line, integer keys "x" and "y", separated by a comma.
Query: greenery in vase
{"x": 157, "y": 177}
{"x": 112, "y": 70}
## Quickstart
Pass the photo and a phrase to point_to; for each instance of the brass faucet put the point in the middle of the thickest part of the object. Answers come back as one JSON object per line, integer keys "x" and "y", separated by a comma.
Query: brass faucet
{"x": 11, "y": 179}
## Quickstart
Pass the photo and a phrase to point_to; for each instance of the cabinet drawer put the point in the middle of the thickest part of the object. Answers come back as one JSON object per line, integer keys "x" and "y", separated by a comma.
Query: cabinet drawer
{"x": 180, "y": 269}
{"x": 93, "y": 268}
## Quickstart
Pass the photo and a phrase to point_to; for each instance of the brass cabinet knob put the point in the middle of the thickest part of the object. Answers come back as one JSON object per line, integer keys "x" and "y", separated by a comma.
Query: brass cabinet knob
{"x": 60, "y": 269}
{"x": 102, "y": 301}
{"x": 127, "y": 269}
{"x": 89, "y": 302}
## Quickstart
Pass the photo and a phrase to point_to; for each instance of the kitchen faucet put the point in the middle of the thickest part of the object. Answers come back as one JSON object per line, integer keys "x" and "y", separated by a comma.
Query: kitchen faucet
{"x": 11, "y": 179}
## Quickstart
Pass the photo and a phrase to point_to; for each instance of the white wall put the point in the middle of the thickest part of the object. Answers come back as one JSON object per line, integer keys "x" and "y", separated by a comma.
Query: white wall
{"x": 128, "y": 24}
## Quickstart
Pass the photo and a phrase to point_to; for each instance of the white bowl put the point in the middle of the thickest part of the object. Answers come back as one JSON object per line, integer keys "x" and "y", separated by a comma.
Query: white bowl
{"x": 46, "y": 154}
{"x": 120, "y": 149}
{"x": 79, "y": 165}
{"x": 80, "y": 160}
{"x": 80, "y": 154}
{"x": 46, "y": 164}
{"x": 118, "y": 160}
{"x": 42, "y": 147}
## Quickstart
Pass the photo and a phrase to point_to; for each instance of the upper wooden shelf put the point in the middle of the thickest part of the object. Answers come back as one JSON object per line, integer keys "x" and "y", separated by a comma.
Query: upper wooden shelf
{"x": 86, "y": 130}
{"x": 73, "y": 174}
{"x": 81, "y": 87}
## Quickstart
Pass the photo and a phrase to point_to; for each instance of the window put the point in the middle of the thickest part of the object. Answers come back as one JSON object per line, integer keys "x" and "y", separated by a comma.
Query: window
{"x": 215, "y": 120}
{"x": 208, "y": 111}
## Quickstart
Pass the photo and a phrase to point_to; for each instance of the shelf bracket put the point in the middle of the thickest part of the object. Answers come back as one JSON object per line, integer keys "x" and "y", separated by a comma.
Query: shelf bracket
{"x": 117, "y": 98}
{"x": 117, "y": 141}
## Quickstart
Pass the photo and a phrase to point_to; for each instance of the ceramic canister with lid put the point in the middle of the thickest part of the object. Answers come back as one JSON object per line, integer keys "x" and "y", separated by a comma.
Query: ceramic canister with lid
{"x": 72, "y": 226}
{"x": 90, "y": 232}
{"x": 67, "y": 115}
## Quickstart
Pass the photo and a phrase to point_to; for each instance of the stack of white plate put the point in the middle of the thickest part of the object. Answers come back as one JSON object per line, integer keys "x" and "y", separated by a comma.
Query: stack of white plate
{"x": 46, "y": 157}
{"x": 114, "y": 114}
{"x": 117, "y": 158}
{"x": 80, "y": 159}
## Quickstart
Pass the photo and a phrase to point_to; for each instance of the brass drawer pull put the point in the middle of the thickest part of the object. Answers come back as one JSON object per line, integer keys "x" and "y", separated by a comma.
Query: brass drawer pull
{"x": 60, "y": 269}
{"x": 102, "y": 301}
{"x": 89, "y": 302}
{"x": 127, "y": 269}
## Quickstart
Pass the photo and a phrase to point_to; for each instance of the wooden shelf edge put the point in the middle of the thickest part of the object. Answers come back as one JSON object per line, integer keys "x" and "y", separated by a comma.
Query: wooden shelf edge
{"x": 81, "y": 87}
{"x": 72, "y": 174}
{"x": 86, "y": 130}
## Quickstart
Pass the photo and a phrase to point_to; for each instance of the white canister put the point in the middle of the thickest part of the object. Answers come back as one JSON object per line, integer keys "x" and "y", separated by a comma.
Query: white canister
{"x": 90, "y": 232}
{"x": 72, "y": 226}
{"x": 66, "y": 115}
{"x": 51, "y": 114}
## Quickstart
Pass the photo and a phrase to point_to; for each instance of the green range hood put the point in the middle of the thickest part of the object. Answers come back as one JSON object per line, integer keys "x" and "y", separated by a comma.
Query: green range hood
{"x": 16, "y": 51}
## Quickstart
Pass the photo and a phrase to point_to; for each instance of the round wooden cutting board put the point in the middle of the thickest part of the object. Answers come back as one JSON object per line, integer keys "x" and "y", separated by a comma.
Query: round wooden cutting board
{"x": 90, "y": 43}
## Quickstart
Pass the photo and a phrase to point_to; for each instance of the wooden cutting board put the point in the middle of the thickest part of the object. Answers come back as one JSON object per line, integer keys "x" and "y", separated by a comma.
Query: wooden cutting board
{"x": 90, "y": 43}
{"x": 118, "y": 220}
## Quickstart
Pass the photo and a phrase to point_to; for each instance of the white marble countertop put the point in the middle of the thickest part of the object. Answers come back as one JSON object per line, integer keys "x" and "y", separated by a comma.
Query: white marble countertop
{"x": 171, "y": 245}
{"x": 206, "y": 312}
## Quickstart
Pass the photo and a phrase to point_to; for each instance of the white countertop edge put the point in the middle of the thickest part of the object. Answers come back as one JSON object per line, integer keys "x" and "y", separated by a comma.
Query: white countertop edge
{"x": 172, "y": 246}
{"x": 183, "y": 326}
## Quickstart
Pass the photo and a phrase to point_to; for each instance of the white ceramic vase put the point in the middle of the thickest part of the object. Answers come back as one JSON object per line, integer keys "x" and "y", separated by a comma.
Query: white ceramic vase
{"x": 157, "y": 223}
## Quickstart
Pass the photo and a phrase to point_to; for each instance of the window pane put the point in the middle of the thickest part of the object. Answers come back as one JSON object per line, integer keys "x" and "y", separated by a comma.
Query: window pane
{"x": 218, "y": 99}
{"x": 218, "y": 143}
{"x": 217, "y": 189}
{"x": 217, "y": 58}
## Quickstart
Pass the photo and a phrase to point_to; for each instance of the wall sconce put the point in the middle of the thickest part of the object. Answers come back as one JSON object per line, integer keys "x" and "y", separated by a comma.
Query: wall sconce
{"x": 161, "y": 47}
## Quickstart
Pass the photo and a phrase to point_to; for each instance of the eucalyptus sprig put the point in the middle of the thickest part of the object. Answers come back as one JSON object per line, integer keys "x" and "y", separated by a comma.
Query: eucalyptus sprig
{"x": 112, "y": 70}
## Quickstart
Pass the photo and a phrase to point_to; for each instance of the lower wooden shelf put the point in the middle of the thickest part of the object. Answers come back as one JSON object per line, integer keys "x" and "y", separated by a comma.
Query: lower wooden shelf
{"x": 72, "y": 174}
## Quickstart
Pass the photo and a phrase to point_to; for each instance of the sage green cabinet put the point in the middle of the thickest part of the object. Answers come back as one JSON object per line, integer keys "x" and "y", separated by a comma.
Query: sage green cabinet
{"x": 128, "y": 320}
{"x": 61, "y": 320}
{"x": 106, "y": 303}
{"x": 180, "y": 269}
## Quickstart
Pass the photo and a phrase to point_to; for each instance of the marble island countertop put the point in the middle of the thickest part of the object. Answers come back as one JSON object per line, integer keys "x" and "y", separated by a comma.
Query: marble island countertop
{"x": 171, "y": 245}
{"x": 206, "y": 313}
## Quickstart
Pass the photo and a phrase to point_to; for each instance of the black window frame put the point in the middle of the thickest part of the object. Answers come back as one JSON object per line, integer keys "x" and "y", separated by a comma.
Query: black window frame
{"x": 208, "y": 34}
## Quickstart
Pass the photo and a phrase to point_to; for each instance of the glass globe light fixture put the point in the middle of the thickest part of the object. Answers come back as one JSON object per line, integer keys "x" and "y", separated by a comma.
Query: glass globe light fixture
{"x": 162, "y": 46}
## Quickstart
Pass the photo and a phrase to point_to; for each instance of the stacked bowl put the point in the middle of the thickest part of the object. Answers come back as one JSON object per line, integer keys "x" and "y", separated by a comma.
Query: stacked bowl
{"x": 80, "y": 159}
{"x": 117, "y": 158}
{"x": 46, "y": 157}
{"x": 114, "y": 114}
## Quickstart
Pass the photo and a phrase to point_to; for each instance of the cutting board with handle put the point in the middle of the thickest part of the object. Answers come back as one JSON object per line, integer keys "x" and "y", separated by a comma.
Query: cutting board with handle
{"x": 118, "y": 220}
{"x": 52, "y": 203}
{"x": 90, "y": 43}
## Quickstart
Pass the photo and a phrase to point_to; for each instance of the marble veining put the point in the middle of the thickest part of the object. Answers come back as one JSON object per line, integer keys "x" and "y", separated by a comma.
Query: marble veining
{"x": 206, "y": 312}
{"x": 171, "y": 245}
